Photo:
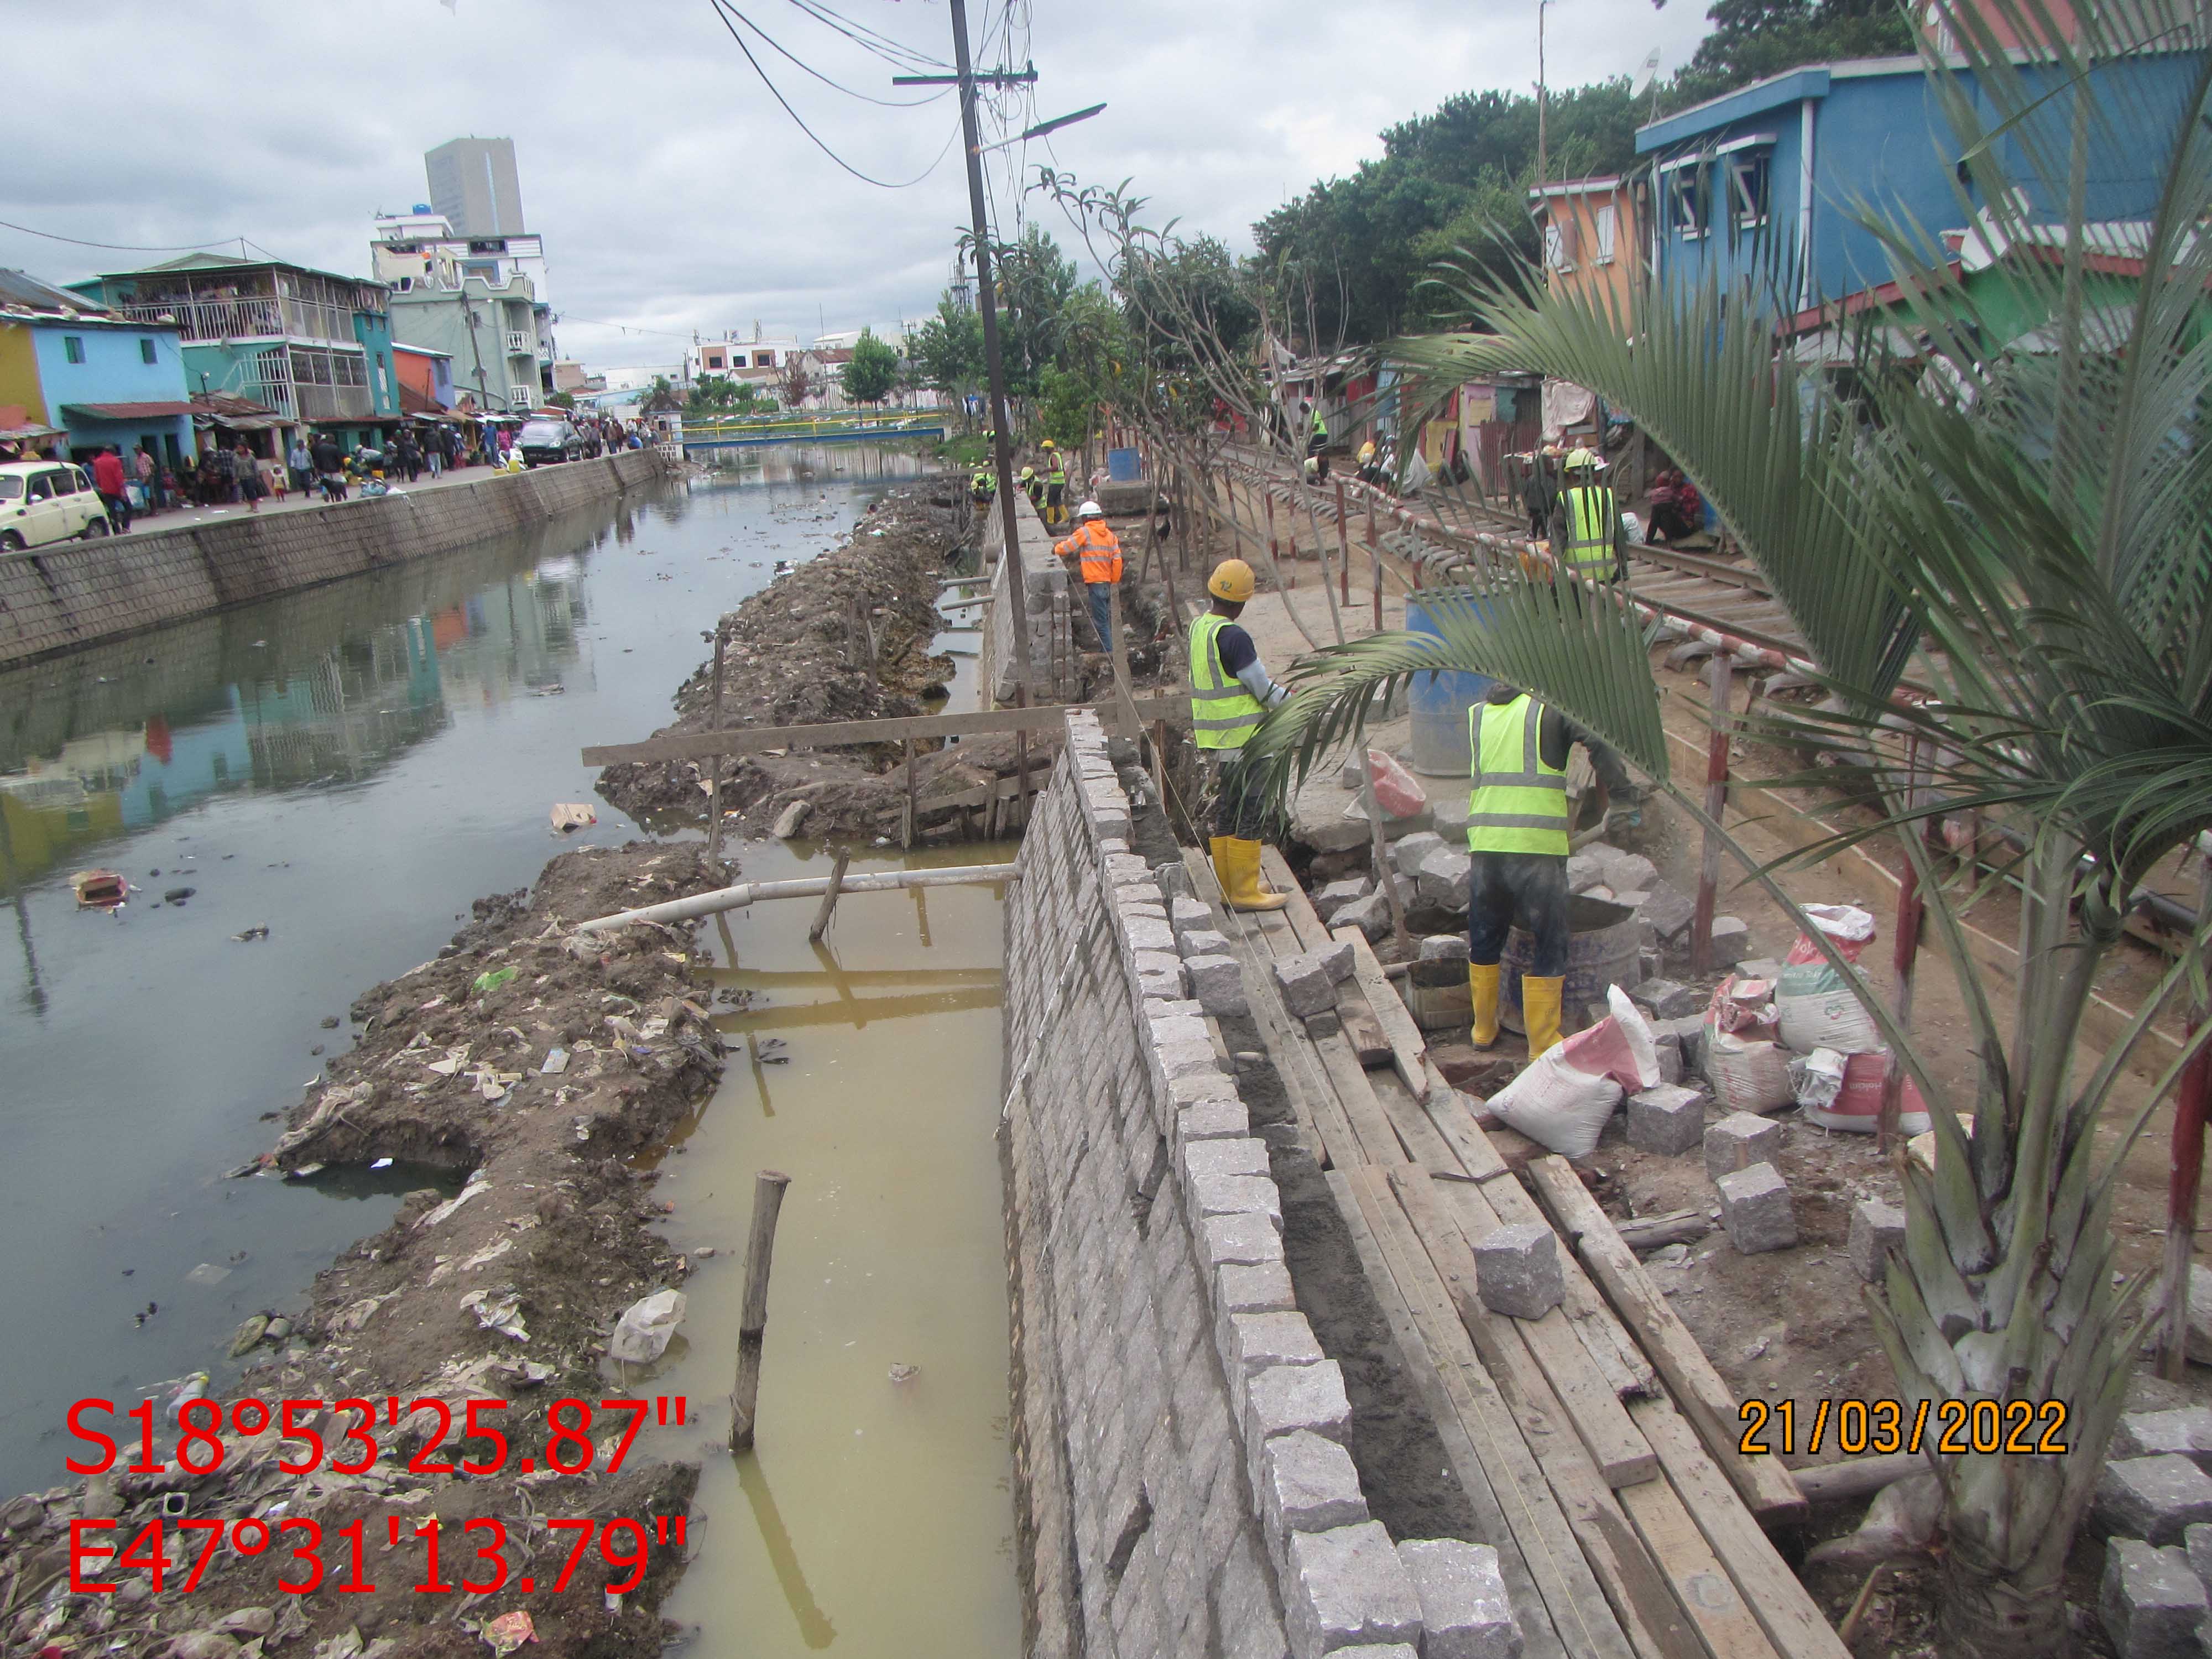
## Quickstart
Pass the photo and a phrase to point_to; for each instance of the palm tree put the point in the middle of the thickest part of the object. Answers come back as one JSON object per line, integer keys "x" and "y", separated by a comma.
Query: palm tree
{"x": 2003, "y": 572}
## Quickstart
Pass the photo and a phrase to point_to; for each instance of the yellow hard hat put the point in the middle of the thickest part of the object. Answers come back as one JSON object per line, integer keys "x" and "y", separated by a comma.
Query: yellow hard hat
{"x": 1232, "y": 581}
{"x": 1028, "y": 472}
{"x": 1048, "y": 444}
{"x": 1578, "y": 458}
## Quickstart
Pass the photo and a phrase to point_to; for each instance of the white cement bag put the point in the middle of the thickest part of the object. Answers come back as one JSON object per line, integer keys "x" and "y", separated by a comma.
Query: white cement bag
{"x": 1817, "y": 1006}
{"x": 641, "y": 1335}
{"x": 1563, "y": 1099}
{"x": 1748, "y": 1070}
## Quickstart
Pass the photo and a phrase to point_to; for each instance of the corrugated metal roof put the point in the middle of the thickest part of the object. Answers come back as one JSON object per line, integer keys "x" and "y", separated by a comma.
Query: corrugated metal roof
{"x": 142, "y": 411}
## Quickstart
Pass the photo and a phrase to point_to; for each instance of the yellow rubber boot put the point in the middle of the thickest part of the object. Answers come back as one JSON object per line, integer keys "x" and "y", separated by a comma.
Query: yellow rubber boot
{"x": 1236, "y": 862}
{"x": 1482, "y": 990}
{"x": 1540, "y": 1010}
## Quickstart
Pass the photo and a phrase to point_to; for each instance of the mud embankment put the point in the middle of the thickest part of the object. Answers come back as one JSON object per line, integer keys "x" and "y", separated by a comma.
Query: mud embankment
{"x": 536, "y": 1060}
{"x": 844, "y": 636}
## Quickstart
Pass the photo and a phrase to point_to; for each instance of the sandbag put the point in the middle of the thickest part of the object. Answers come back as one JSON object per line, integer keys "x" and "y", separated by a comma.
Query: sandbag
{"x": 1748, "y": 1068}
{"x": 1818, "y": 1006}
{"x": 1561, "y": 1101}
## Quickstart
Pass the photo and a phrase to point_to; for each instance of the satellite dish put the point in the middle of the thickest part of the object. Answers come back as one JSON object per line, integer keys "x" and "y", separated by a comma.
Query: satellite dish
{"x": 1648, "y": 73}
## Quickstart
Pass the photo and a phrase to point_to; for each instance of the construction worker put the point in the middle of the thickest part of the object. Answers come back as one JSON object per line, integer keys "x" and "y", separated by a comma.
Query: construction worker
{"x": 1317, "y": 443}
{"x": 1056, "y": 486}
{"x": 1516, "y": 834}
{"x": 1099, "y": 555}
{"x": 984, "y": 486}
{"x": 1031, "y": 485}
{"x": 1230, "y": 694}
{"x": 1587, "y": 536}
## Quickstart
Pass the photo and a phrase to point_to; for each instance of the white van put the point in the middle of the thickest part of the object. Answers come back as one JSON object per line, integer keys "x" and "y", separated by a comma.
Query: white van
{"x": 43, "y": 501}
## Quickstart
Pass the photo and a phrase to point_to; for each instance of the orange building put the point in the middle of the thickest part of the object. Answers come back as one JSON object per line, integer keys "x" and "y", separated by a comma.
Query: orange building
{"x": 1592, "y": 232}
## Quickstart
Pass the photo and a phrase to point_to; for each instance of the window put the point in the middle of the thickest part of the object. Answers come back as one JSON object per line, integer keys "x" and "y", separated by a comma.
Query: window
{"x": 147, "y": 353}
{"x": 1609, "y": 225}
{"x": 714, "y": 360}
{"x": 1749, "y": 178}
{"x": 73, "y": 347}
{"x": 1558, "y": 244}
{"x": 763, "y": 360}
{"x": 1687, "y": 203}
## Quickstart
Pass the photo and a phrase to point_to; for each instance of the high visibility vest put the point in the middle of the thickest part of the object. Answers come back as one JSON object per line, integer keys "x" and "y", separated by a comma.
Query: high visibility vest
{"x": 1056, "y": 477}
{"x": 985, "y": 482}
{"x": 1100, "y": 551}
{"x": 1320, "y": 426}
{"x": 1591, "y": 516}
{"x": 1518, "y": 805}
{"x": 1222, "y": 712}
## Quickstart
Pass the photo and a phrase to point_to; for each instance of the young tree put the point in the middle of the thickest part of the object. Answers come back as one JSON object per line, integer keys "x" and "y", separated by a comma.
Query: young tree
{"x": 948, "y": 351}
{"x": 795, "y": 385}
{"x": 872, "y": 370}
{"x": 2035, "y": 556}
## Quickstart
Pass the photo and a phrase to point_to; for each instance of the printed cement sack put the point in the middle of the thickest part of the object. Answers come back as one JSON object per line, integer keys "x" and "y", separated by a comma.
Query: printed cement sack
{"x": 1748, "y": 1070}
{"x": 1563, "y": 1099}
{"x": 1817, "y": 1006}
{"x": 1855, "y": 1106}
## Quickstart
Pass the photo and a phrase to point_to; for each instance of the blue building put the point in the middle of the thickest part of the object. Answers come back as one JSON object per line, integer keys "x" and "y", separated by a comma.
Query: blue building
{"x": 101, "y": 379}
{"x": 1767, "y": 185}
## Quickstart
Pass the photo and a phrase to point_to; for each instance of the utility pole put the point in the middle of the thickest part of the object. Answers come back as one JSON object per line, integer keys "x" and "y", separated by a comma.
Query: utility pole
{"x": 1543, "y": 171}
{"x": 1002, "y": 437}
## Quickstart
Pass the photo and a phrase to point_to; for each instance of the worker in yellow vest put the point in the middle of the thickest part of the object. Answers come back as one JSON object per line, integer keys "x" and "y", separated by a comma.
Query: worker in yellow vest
{"x": 1229, "y": 695}
{"x": 1097, "y": 552}
{"x": 1588, "y": 535}
{"x": 1056, "y": 486}
{"x": 1516, "y": 834}
{"x": 1031, "y": 485}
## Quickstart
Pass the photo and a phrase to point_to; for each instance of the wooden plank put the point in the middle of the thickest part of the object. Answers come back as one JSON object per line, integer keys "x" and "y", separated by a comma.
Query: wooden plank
{"x": 1378, "y": 1140}
{"x": 1465, "y": 1137}
{"x": 1539, "y": 1639}
{"x": 1618, "y": 1451}
{"x": 1364, "y": 1033}
{"x": 1766, "y": 1485}
{"x": 1581, "y": 1604}
{"x": 1415, "y": 1132}
{"x": 1701, "y": 1585}
{"x": 1788, "y": 1616}
{"x": 1409, "y": 1047}
{"x": 1608, "y": 1343}
{"x": 753, "y": 740}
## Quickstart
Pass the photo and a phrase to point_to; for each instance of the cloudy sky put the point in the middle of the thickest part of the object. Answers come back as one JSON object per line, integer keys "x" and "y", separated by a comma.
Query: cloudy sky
{"x": 673, "y": 193}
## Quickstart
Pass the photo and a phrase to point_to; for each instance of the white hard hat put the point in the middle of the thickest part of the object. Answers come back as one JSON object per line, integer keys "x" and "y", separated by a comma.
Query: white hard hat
{"x": 1091, "y": 510}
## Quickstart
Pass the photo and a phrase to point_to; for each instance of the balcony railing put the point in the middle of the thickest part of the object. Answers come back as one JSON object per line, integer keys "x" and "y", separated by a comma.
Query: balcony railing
{"x": 520, "y": 344}
{"x": 249, "y": 320}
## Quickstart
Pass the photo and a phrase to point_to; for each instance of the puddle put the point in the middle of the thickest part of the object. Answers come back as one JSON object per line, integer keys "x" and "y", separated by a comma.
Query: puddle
{"x": 874, "y": 1516}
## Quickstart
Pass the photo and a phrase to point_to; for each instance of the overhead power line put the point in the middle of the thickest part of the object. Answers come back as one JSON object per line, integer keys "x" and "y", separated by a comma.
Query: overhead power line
{"x": 776, "y": 92}
{"x": 866, "y": 98}
{"x": 890, "y": 51}
{"x": 124, "y": 247}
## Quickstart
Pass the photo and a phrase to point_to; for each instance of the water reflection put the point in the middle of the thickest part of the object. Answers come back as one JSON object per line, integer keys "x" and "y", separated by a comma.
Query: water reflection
{"x": 115, "y": 741}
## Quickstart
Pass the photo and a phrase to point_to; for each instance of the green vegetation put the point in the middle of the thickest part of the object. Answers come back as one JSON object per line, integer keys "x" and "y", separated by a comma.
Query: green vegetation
{"x": 872, "y": 371}
{"x": 2034, "y": 554}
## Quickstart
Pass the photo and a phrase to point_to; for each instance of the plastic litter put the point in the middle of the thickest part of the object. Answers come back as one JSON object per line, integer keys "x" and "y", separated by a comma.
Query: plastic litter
{"x": 102, "y": 888}
{"x": 1817, "y": 1079}
{"x": 641, "y": 1335}
{"x": 1397, "y": 792}
{"x": 502, "y": 1314}
{"x": 1564, "y": 1097}
{"x": 195, "y": 1387}
{"x": 571, "y": 815}
{"x": 510, "y": 1632}
{"x": 492, "y": 979}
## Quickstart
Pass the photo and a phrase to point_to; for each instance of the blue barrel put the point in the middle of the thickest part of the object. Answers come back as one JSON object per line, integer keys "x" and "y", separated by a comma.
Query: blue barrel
{"x": 1122, "y": 466}
{"x": 1440, "y": 702}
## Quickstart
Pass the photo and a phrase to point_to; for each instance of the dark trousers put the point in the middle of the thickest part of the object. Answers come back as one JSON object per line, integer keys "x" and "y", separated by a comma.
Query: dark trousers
{"x": 119, "y": 510}
{"x": 1241, "y": 810}
{"x": 1531, "y": 886}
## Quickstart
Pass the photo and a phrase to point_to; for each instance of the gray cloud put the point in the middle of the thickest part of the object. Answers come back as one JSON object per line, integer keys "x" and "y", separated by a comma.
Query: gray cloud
{"x": 673, "y": 193}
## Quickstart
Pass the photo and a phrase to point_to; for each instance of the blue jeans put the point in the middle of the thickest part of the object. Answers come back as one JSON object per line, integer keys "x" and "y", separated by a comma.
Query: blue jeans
{"x": 1532, "y": 884}
{"x": 1100, "y": 597}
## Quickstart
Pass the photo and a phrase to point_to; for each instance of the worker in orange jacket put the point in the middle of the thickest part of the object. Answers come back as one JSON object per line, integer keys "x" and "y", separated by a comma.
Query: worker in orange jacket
{"x": 1099, "y": 553}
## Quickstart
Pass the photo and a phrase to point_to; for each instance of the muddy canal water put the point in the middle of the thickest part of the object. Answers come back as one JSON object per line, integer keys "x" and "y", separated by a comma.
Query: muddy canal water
{"x": 873, "y": 1516}
{"x": 348, "y": 768}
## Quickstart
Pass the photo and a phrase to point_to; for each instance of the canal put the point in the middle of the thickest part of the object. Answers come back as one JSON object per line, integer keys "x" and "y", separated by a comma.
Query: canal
{"x": 348, "y": 768}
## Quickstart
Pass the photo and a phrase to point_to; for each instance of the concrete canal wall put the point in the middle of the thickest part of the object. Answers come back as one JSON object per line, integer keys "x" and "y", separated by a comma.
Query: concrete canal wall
{"x": 1182, "y": 1482}
{"x": 74, "y": 594}
{"x": 1055, "y": 676}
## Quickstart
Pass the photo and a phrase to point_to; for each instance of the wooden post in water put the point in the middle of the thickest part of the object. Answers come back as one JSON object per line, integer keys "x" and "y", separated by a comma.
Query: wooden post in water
{"x": 714, "y": 764}
{"x": 1721, "y": 682}
{"x": 913, "y": 810}
{"x": 752, "y": 1321}
{"x": 829, "y": 899}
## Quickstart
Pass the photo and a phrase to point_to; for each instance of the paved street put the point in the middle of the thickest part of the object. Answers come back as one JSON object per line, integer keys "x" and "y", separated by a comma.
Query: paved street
{"x": 176, "y": 519}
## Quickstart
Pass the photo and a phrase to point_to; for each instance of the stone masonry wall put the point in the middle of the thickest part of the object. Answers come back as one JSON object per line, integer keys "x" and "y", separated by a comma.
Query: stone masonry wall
{"x": 72, "y": 594}
{"x": 1054, "y": 673}
{"x": 1182, "y": 1484}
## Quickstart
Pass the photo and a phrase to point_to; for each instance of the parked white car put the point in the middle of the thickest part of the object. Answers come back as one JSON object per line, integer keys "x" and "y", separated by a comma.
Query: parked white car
{"x": 43, "y": 501}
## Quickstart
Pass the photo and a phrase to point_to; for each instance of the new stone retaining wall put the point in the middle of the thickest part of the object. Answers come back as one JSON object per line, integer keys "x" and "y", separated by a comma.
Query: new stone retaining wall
{"x": 1182, "y": 1484}
{"x": 1054, "y": 674}
{"x": 73, "y": 594}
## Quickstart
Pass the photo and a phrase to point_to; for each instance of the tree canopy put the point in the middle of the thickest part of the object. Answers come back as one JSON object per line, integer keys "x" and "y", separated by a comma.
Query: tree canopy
{"x": 872, "y": 370}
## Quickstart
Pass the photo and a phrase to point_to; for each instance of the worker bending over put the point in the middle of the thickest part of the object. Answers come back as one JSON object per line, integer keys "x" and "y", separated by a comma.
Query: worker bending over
{"x": 1098, "y": 552}
{"x": 1587, "y": 536}
{"x": 1517, "y": 835}
{"x": 1031, "y": 485}
{"x": 1230, "y": 694}
{"x": 984, "y": 486}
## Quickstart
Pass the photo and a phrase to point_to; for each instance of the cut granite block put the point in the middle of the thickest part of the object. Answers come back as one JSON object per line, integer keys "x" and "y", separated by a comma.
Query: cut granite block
{"x": 1345, "y": 1587}
{"x": 1668, "y": 1120}
{"x": 2151, "y": 1603}
{"x": 1876, "y": 1229}
{"x": 1465, "y": 1612}
{"x": 2156, "y": 1498}
{"x": 1740, "y": 1141}
{"x": 1757, "y": 1210}
{"x": 1516, "y": 1270}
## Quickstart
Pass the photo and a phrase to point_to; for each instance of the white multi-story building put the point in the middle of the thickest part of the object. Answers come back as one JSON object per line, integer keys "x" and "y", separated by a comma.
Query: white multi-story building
{"x": 759, "y": 360}
{"x": 420, "y": 249}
